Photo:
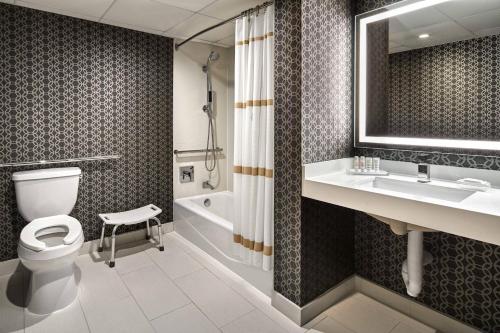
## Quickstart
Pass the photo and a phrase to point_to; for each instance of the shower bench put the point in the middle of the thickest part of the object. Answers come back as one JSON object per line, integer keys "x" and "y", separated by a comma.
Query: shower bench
{"x": 134, "y": 216}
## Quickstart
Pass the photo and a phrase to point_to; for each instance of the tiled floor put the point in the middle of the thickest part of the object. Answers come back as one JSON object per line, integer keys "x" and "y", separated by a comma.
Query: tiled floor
{"x": 181, "y": 290}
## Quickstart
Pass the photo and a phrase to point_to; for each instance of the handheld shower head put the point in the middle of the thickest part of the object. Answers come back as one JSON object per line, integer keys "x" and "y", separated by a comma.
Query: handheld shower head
{"x": 213, "y": 56}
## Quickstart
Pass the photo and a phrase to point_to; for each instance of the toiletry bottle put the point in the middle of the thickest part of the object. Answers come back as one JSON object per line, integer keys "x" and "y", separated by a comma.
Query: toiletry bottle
{"x": 356, "y": 163}
{"x": 362, "y": 163}
{"x": 376, "y": 163}
{"x": 369, "y": 164}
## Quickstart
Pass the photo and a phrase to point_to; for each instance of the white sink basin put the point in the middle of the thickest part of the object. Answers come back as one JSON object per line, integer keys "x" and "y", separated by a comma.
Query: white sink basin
{"x": 422, "y": 189}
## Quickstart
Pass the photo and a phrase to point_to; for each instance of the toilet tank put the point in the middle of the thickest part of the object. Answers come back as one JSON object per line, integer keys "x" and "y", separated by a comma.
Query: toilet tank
{"x": 46, "y": 192}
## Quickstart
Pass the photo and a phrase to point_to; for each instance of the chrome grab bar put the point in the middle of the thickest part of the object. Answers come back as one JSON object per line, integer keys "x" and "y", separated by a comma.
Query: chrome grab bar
{"x": 68, "y": 160}
{"x": 178, "y": 152}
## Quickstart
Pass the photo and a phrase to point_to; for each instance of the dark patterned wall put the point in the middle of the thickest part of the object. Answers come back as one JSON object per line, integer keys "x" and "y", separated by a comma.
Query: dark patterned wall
{"x": 446, "y": 91}
{"x": 73, "y": 88}
{"x": 326, "y": 80}
{"x": 287, "y": 148}
{"x": 463, "y": 281}
{"x": 327, "y": 231}
{"x": 327, "y": 247}
{"x": 312, "y": 90}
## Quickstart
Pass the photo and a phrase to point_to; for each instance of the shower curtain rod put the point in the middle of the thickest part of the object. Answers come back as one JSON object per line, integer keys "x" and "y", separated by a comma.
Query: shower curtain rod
{"x": 244, "y": 13}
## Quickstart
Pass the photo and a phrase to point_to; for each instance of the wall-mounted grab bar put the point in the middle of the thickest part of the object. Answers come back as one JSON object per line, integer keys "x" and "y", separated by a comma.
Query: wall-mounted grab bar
{"x": 178, "y": 152}
{"x": 68, "y": 160}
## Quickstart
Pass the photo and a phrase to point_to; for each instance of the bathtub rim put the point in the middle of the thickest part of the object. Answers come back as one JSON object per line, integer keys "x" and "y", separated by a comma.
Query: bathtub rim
{"x": 188, "y": 203}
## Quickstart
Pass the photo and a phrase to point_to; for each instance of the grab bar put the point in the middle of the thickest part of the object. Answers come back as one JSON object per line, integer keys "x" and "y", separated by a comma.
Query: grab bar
{"x": 68, "y": 160}
{"x": 178, "y": 152}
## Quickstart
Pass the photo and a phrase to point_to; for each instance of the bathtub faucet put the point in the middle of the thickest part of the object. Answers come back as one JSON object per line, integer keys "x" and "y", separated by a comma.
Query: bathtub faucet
{"x": 206, "y": 184}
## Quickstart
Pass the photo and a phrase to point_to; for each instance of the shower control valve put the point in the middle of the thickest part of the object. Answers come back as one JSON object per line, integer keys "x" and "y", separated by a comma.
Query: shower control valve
{"x": 186, "y": 174}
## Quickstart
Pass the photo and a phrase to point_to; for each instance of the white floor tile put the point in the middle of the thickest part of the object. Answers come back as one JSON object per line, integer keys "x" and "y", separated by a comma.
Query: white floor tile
{"x": 11, "y": 301}
{"x": 404, "y": 328}
{"x": 122, "y": 316}
{"x": 174, "y": 262}
{"x": 184, "y": 320}
{"x": 417, "y": 326}
{"x": 155, "y": 293}
{"x": 128, "y": 262}
{"x": 99, "y": 284}
{"x": 329, "y": 325}
{"x": 361, "y": 314}
{"x": 246, "y": 290}
{"x": 220, "y": 303}
{"x": 172, "y": 238}
{"x": 69, "y": 319}
{"x": 253, "y": 322}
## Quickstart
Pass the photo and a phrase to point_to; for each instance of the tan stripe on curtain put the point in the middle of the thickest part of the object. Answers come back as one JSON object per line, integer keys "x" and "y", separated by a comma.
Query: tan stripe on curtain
{"x": 253, "y": 245}
{"x": 249, "y": 171}
{"x": 257, "y": 102}
{"x": 255, "y": 39}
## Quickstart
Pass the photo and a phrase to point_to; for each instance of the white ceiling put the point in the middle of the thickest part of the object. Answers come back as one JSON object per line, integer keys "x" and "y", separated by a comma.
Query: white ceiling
{"x": 172, "y": 18}
{"x": 445, "y": 23}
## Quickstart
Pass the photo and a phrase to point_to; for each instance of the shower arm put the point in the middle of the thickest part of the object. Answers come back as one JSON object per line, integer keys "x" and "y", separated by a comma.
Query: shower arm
{"x": 244, "y": 13}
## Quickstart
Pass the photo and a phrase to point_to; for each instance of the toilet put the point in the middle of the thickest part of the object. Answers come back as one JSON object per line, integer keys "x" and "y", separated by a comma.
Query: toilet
{"x": 51, "y": 241}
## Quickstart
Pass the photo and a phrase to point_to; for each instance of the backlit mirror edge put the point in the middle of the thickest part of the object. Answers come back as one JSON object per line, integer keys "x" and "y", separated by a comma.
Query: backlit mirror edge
{"x": 361, "y": 140}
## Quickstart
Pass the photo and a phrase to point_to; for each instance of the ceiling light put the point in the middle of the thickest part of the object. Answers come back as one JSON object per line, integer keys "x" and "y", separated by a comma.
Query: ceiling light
{"x": 424, "y": 36}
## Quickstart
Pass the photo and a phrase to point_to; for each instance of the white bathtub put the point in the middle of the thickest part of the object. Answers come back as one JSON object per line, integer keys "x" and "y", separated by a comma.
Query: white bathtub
{"x": 210, "y": 227}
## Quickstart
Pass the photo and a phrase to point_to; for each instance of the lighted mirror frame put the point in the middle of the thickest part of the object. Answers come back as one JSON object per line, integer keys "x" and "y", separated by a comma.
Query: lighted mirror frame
{"x": 360, "y": 137}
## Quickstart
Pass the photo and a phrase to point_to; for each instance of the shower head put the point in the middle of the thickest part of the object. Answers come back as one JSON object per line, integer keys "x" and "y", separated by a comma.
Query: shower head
{"x": 213, "y": 56}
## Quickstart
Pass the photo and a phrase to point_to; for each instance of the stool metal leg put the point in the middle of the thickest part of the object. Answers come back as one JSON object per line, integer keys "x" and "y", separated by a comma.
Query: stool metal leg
{"x": 148, "y": 235}
{"x": 160, "y": 236}
{"x": 101, "y": 242}
{"x": 112, "y": 261}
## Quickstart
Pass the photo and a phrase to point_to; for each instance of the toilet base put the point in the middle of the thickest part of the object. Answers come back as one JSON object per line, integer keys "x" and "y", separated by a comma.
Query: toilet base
{"x": 52, "y": 290}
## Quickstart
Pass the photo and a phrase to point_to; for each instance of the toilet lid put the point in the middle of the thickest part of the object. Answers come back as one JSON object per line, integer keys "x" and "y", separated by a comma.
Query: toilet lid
{"x": 28, "y": 234}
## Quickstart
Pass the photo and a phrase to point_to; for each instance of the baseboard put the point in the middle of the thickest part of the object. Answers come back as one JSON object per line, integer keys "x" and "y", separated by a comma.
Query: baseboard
{"x": 407, "y": 306}
{"x": 8, "y": 267}
{"x": 304, "y": 314}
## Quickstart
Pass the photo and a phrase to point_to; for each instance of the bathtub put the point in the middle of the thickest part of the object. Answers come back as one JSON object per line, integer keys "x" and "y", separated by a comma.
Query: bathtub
{"x": 206, "y": 221}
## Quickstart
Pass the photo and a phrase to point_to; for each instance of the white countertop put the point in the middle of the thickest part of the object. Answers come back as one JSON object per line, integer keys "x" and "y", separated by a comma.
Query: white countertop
{"x": 477, "y": 216}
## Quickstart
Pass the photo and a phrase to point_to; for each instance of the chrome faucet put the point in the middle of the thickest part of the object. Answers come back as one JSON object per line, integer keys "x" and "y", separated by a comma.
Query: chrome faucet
{"x": 206, "y": 184}
{"x": 423, "y": 169}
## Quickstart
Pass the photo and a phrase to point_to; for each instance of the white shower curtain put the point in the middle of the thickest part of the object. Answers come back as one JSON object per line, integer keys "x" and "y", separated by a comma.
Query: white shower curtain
{"x": 254, "y": 139}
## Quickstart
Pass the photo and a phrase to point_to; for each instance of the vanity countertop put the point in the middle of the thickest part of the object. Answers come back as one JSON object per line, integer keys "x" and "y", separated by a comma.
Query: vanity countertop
{"x": 442, "y": 204}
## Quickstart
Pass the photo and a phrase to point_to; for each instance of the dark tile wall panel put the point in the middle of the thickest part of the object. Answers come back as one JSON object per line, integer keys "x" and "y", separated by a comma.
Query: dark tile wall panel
{"x": 287, "y": 151}
{"x": 327, "y": 251}
{"x": 326, "y": 80}
{"x": 74, "y": 88}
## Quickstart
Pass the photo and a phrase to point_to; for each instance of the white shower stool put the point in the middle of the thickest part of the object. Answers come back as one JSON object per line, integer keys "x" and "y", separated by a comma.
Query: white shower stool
{"x": 134, "y": 216}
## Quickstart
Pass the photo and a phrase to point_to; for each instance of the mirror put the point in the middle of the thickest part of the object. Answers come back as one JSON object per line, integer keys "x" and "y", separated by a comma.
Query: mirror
{"x": 428, "y": 74}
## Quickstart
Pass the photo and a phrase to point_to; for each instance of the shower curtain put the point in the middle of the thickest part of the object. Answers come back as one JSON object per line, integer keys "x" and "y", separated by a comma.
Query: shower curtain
{"x": 254, "y": 139}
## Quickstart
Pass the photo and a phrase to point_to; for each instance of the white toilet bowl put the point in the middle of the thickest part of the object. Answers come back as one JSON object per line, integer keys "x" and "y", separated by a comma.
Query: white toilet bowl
{"x": 48, "y": 247}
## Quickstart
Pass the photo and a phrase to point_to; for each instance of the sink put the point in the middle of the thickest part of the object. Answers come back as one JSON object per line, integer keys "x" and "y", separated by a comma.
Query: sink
{"x": 422, "y": 189}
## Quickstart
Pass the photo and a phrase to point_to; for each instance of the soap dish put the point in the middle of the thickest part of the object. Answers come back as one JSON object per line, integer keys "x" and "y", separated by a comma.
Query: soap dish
{"x": 367, "y": 172}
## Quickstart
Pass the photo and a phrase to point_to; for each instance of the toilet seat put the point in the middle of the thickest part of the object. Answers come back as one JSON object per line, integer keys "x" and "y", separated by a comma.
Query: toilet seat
{"x": 28, "y": 234}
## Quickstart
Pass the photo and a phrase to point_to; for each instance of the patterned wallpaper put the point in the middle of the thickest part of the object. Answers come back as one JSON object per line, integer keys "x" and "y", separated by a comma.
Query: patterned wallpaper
{"x": 446, "y": 91}
{"x": 462, "y": 282}
{"x": 326, "y": 80}
{"x": 313, "y": 116}
{"x": 327, "y": 231}
{"x": 73, "y": 88}
{"x": 327, "y": 247}
{"x": 287, "y": 148}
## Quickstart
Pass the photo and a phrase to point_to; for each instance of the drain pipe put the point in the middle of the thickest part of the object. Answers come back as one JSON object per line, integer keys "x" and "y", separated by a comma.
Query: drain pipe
{"x": 413, "y": 266}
